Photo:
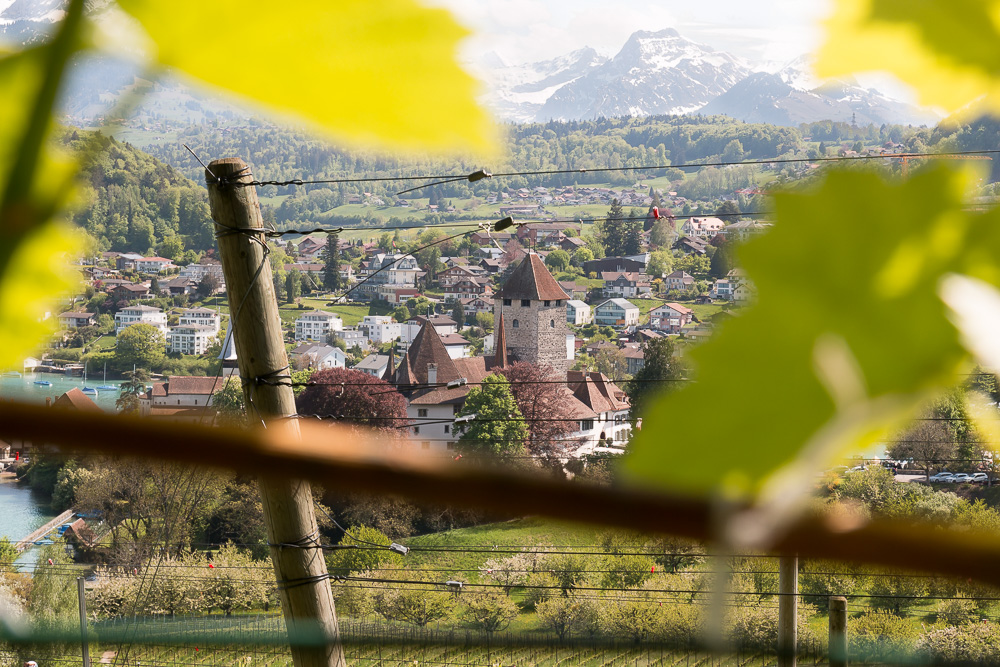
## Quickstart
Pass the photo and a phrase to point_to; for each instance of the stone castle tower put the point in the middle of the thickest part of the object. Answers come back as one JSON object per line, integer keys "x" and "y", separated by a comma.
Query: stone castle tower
{"x": 533, "y": 307}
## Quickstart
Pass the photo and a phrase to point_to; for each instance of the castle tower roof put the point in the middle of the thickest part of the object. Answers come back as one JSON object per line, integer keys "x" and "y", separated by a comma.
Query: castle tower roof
{"x": 531, "y": 280}
{"x": 427, "y": 348}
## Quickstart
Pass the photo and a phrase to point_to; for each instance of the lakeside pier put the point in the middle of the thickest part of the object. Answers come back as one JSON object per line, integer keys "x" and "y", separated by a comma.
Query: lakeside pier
{"x": 45, "y": 530}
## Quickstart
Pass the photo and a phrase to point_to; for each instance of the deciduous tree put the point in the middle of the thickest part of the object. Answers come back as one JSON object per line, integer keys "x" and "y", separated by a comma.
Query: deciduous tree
{"x": 497, "y": 429}
{"x": 355, "y": 397}
{"x": 539, "y": 396}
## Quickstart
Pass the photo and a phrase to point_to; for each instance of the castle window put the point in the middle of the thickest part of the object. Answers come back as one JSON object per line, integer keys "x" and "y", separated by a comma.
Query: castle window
{"x": 525, "y": 303}
{"x": 546, "y": 303}
{"x": 552, "y": 323}
{"x": 506, "y": 302}
{"x": 516, "y": 324}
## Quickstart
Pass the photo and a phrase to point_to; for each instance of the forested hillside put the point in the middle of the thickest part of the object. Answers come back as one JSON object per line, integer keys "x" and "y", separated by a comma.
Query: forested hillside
{"x": 140, "y": 204}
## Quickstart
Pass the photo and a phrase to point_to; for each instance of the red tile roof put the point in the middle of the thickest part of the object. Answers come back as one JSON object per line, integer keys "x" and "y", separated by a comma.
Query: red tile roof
{"x": 76, "y": 400}
{"x": 531, "y": 280}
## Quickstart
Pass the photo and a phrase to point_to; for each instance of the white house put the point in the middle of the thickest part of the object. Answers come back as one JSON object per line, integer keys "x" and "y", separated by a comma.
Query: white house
{"x": 702, "y": 228}
{"x": 458, "y": 347}
{"x": 389, "y": 272}
{"x": 380, "y": 329}
{"x": 202, "y": 317}
{"x": 373, "y": 364}
{"x": 618, "y": 313}
{"x": 321, "y": 357}
{"x": 191, "y": 338}
{"x": 153, "y": 264}
{"x": 670, "y": 317}
{"x": 186, "y": 398}
{"x": 578, "y": 312}
{"x": 602, "y": 409}
{"x": 678, "y": 280}
{"x": 140, "y": 315}
{"x": 316, "y": 325}
{"x": 73, "y": 320}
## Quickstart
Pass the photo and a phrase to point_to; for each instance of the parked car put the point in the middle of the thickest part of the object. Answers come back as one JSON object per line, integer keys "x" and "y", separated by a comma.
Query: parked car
{"x": 960, "y": 478}
{"x": 943, "y": 476}
{"x": 979, "y": 478}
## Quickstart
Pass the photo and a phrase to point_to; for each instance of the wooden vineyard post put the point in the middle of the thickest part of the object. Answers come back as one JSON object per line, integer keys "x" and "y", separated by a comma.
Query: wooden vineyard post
{"x": 838, "y": 631}
{"x": 299, "y": 565}
{"x": 788, "y": 607}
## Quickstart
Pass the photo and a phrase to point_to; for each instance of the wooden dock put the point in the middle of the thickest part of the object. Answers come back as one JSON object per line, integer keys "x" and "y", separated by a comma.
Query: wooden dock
{"x": 45, "y": 530}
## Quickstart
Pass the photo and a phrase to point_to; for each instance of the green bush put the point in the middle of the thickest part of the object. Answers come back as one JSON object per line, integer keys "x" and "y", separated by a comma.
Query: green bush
{"x": 817, "y": 584}
{"x": 878, "y": 635}
{"x": 976, "y": 643}
{"x": 490, "y": 611}
{"x": 957, "y": 611}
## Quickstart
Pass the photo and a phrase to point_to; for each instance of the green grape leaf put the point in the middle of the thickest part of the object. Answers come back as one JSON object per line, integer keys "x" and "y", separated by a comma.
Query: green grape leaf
{"x": 366, "y": 73}
{"x": 848, "y": 337}
{"x": 945, "y": 51}
{"x": 36, "y": 185}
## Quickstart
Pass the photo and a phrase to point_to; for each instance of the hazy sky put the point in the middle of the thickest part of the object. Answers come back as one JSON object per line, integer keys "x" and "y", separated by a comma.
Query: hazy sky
{"x": 531, "y": 30}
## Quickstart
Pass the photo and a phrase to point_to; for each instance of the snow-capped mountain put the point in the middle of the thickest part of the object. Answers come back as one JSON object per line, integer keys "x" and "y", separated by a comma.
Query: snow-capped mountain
{"x": 26, "y": 21}
{"x": 654, "y": 73}
{"x": 664, "y": 73}
{"x": 791, "y": 94}
{"x": 517, "y": 92}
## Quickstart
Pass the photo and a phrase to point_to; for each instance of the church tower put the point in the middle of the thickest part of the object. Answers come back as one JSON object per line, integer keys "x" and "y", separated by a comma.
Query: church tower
{"x": 531, "y": 307}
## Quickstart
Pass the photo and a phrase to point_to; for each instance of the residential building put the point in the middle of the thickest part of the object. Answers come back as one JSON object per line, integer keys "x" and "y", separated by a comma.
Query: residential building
{"x": 197, "y": 272}
{"x": 670, "y": 317}
{"x": 319, "y": 357}
{"x": 443, "y": 324}
{"x": 140, "y": 314}
{"x": 678, "y": 280}
{"x": 201, "y": 316}
{"x": 478, "y": 304}
{"x": 127, "y": 261}
{"x": 374, "y": 365}
{"x": 534, "y": 310}
{"x": 635, "y": 358}
{"x": 387, "y": 271}
{"x": 155, "y": 265}
{"x": 316, "y": 325}
{"x": 609, "y": 425}
{"x": 380, "y": 329}
{"x": 617, "y": 313}
{"x": 457, "y": 346}
{"x": 625, "y": 284}
{"x": 468, "y": 287}
{"x": 702, "y": 228}
{"x": 578, "y": 312}
{"x": 182, "y": 398}
{"x": 74, "y": 320}
{"x": 130, "y": 292}
{"x": 599, "y": 266}
{"x": 353, "y": 337}
{"x": 191, "y": 338}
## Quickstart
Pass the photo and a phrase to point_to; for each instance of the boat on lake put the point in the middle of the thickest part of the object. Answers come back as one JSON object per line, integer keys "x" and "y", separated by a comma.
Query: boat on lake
{"x": 43, "y": 383}
{"x": 106, "y": 386}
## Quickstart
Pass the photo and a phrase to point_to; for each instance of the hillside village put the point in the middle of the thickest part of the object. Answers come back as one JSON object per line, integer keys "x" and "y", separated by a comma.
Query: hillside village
{"x": 434, "y": 326}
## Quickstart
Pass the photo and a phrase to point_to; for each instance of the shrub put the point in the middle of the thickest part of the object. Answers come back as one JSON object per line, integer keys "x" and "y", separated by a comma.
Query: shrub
{"x": 564, "y": 615}
{"x": 632, "y": 615}
{"x": 970, "y": 643}
{"x": 957, "y": 611}
{"x": 345, "y": 561}
{"x": 879, "y": 635}
{"x": 539, "y": 587}
{"x": 627, "y": 571}
{"x": 490, "y": 611}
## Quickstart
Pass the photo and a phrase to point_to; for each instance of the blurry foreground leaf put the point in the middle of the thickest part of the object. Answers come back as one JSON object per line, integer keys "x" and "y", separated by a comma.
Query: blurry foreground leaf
{"x": 35, "y": 185}
{"x": 849, "y": 336}
{"x": 365, "y": 72}
{"x": 945, "y": 50}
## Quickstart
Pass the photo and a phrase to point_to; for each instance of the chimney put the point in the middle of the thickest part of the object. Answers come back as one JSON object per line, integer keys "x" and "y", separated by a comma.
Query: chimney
{"x": 432, "y": 373}
{"x": 48, "y": 401}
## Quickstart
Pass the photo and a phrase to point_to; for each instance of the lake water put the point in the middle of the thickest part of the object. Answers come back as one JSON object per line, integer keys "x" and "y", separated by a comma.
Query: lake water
{"x": 24, "y": 389}
{"x": 21, "y": 512}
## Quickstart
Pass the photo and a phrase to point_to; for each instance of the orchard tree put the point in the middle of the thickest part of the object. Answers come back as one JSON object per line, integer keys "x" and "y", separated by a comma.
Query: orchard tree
{"x": 539, "y": 396}
{"x": 140, "y": 344}
{"x": 496, "y": 429}
{"x": 354, "y": 397}
{"x": 490, "y": 611}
